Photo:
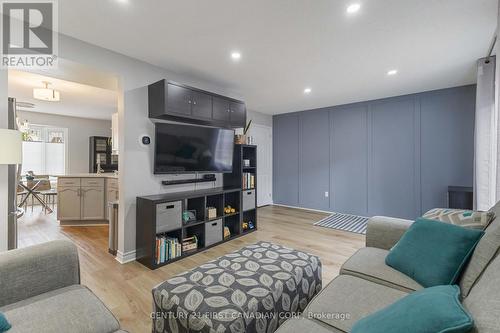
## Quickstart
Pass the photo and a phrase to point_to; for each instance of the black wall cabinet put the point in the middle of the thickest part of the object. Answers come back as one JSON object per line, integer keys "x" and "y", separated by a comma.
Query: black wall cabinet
{"x": 173, "y": 101}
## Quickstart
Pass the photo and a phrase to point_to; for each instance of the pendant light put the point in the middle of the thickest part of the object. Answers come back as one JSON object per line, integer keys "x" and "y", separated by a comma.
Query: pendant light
{"x": 46, "y": 93}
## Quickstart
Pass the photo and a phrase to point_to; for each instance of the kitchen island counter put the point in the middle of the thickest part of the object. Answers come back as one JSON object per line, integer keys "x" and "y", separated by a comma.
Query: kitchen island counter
{"x": 89, "y": 175}
{"x": 83, "y": 198}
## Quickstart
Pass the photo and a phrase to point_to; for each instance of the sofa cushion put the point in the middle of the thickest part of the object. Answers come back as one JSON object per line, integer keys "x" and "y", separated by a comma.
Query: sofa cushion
{"x": 464, "y": 218}
{"x": 483, "y": 301}
{"x": 347, "y": 299}
{"x": 433, "y": 253}
{"x": 4, "y": 324}
{"x": 485, "y": 251}
{"x": 301, "y": 325}
{"x": 369, "y": 263}
{"x": 70, "y": 309}
{"x": 430, "y": 310}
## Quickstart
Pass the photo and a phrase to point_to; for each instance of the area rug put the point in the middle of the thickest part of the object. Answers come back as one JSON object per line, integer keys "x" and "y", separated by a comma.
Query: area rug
{"x": 345, "y": 222}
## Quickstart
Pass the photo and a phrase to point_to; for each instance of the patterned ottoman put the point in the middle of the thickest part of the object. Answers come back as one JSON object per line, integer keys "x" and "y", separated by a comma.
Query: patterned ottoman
{"x": 254, "y": 289}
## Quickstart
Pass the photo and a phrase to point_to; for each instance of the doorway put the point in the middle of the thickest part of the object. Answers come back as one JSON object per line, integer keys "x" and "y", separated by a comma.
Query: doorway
{"x": 264, "y": 140}
{"x": 57, "y": 129}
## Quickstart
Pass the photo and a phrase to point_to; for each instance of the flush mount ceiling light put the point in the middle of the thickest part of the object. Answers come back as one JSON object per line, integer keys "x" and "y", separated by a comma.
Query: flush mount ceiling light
{"x": 235, "y": 55}
{"x": 46, "y": 93}
{"x": 392, "y": 72}
{"x": 353, "y": 8}
{"x": 307, "y": 91}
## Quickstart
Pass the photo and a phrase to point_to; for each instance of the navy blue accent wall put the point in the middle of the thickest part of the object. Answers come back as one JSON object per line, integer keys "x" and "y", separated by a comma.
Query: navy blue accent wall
{"x": 394, "y": 156}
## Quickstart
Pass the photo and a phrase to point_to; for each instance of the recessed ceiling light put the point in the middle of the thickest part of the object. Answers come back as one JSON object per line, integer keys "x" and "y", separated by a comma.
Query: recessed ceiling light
{"x": 353, "y": 8}
{"x": 392, "y": 72}
{"x": 236, "y": 55}
{"x": 307, "y": 91}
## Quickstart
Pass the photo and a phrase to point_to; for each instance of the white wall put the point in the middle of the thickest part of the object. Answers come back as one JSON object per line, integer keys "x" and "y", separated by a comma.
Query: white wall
{"x": 79, "y": 131}
{"x": 3, "y": 168}
{"x": 260, "y": 118}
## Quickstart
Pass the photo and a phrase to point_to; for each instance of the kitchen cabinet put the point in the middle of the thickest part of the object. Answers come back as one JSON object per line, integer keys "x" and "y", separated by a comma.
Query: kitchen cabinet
{"x": 111, "y": 193}
{"x": 83, "y": 199}
{"x": 92, "y": 199}
{"x": 92, "y": 203}
{"x": 68, "y": 203}
{"x": 111, "y": 190}
{"x": 177, "y": 102}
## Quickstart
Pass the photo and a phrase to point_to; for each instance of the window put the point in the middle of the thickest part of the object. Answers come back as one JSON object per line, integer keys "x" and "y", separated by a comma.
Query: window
{"x": 44, "y": 150}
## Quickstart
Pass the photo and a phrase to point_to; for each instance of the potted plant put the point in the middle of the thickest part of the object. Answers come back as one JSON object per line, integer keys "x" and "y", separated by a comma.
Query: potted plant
{"x": 241, "y": 139}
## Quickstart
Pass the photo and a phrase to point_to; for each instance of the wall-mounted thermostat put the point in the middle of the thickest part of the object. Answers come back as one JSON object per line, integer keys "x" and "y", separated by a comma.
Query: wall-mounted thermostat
{"x": 145, "y": 140}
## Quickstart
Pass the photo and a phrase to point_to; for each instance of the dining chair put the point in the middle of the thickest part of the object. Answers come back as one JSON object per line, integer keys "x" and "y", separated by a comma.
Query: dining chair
{"x": 44, "y": 189}
{"x": 21, "y": 193}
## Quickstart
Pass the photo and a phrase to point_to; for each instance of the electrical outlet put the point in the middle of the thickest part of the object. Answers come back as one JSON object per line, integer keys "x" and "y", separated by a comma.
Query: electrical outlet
{"x": 327, "y": 194}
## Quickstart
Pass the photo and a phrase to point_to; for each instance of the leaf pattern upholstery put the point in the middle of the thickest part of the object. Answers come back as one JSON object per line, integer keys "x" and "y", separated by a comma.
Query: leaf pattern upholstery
{"x": 254, "y": 289}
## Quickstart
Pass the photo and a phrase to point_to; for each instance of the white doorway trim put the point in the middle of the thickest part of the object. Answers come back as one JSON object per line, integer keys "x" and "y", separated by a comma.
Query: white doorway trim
{"x": 264, "y": 139}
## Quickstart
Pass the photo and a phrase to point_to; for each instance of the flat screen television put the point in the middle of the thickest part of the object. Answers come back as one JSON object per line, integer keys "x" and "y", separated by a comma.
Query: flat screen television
{"x": 190, "y": 149}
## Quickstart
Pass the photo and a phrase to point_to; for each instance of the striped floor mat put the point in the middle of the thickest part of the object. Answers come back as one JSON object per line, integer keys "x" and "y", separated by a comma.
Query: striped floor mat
{"x": 345, "y": 222}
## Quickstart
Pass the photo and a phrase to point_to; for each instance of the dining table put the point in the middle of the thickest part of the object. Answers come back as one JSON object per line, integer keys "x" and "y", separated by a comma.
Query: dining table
{"x": 31, "y": 186}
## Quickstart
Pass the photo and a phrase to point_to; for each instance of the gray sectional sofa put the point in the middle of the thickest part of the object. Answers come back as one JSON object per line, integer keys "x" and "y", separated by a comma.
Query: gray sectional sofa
{"x": 40, "y": 291}
{"x": 366, "y": 284}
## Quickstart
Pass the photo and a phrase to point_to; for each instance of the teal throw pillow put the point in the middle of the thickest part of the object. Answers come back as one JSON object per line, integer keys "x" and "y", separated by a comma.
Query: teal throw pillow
{"x": 431, "y": 310}
{"x": 433, "y": 253}
{"x": 4, "y": 324}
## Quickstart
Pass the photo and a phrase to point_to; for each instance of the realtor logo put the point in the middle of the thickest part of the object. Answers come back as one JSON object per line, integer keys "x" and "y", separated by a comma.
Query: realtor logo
{"x": 29, "y": 34}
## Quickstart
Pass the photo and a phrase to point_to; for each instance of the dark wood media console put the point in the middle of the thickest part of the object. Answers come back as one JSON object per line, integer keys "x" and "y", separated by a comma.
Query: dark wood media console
{"x": 161, "y": 215}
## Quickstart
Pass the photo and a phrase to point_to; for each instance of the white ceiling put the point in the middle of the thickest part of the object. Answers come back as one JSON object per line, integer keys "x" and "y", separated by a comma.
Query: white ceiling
{"x": 288, "y": 45}
{"x": 77, "y": 100}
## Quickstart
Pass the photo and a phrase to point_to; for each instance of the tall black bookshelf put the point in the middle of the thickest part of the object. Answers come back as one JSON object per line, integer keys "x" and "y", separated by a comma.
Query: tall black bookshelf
{"x": 209, "y": 231}
{"x": 237, "y": 178}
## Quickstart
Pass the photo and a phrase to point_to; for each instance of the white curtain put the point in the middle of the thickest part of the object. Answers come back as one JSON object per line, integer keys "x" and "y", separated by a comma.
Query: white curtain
{"x": 486, "y": 136}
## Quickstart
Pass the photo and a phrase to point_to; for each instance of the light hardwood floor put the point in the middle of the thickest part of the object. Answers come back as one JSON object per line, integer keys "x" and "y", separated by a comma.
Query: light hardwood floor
{"x": 126, "y": 289}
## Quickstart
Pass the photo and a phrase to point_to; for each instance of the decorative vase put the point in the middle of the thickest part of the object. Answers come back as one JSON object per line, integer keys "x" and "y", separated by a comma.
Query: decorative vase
{"x": 240, "y": 139}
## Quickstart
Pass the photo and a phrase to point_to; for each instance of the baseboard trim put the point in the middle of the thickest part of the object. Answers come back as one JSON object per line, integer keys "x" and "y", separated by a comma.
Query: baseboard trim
{"x": 126, "y": 257}
{"x": 302, "y": 208}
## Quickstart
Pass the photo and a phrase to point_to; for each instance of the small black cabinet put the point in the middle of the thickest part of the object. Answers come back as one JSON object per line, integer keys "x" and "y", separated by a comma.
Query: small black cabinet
{"x": 173, "y": 101}
{"x": 460, "y": 197}
{"x": 221, "y": 110}
{"x": 201, "y": 106}
{"x": 238, "y": 114}
{"x": 178, "y": 99}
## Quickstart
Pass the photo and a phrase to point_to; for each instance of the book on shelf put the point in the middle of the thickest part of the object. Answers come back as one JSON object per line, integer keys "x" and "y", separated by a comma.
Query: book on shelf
{"x": 167, "y": 248}
{"x": 248, "y": 180}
